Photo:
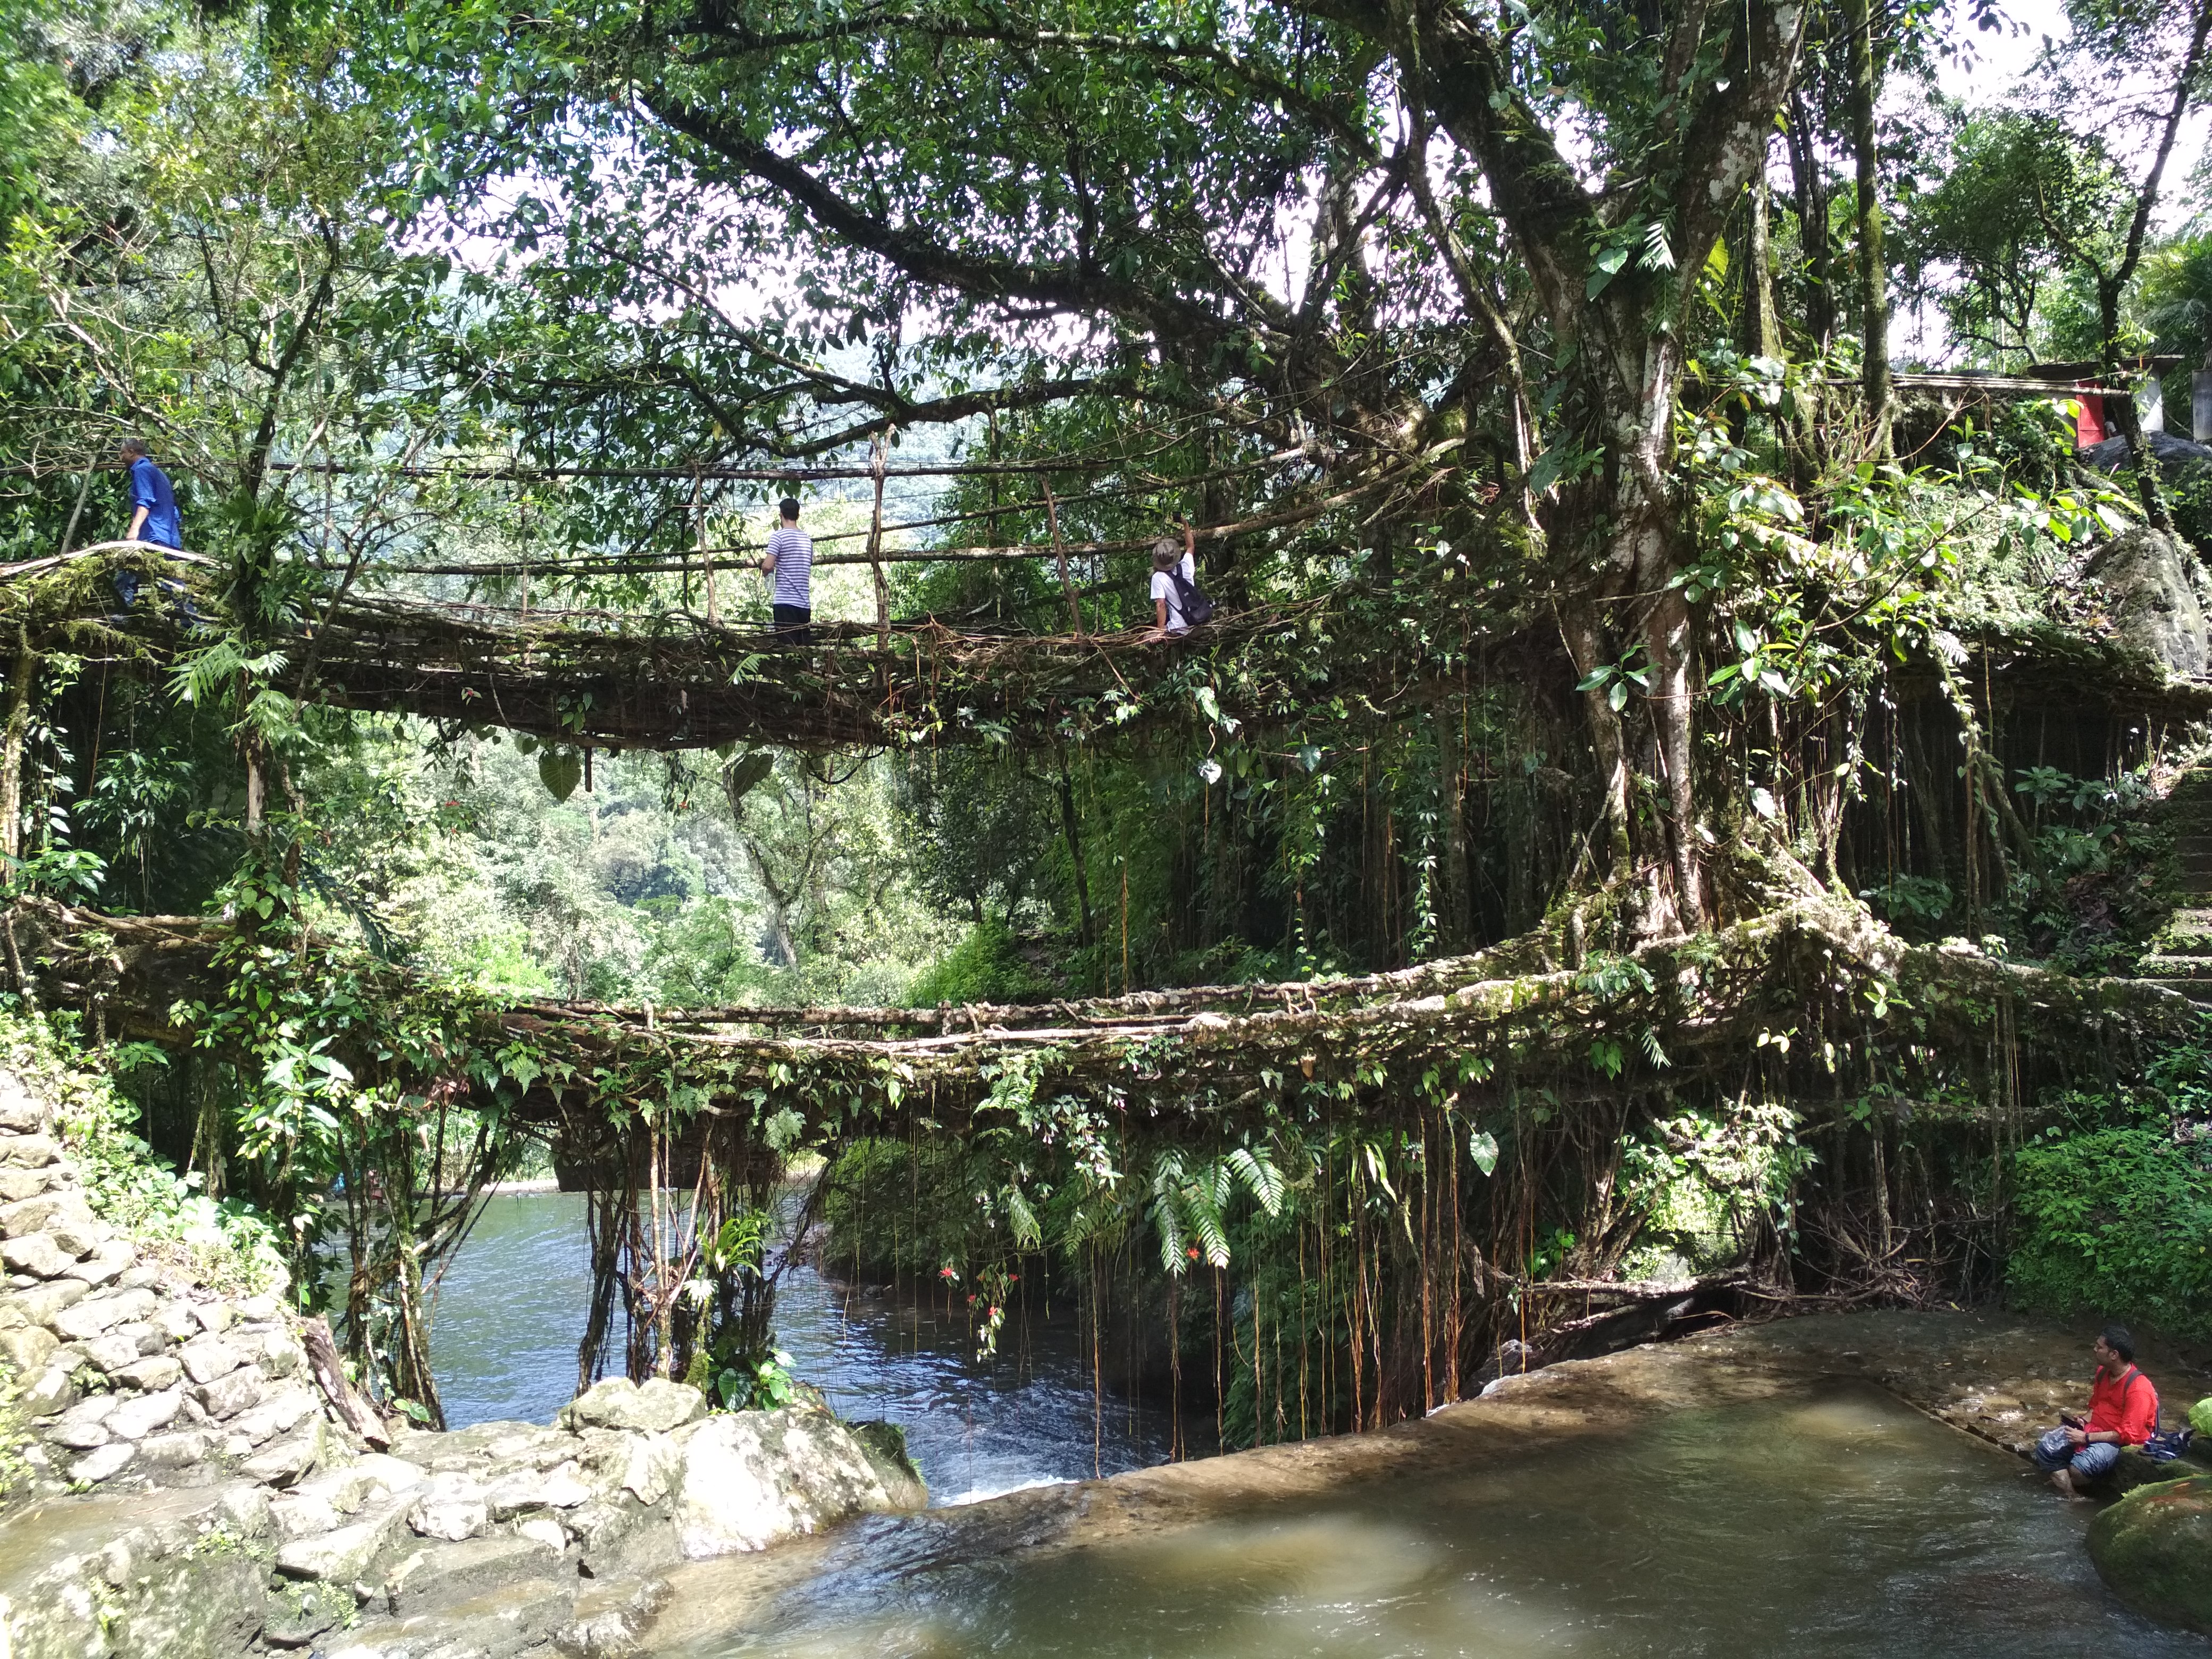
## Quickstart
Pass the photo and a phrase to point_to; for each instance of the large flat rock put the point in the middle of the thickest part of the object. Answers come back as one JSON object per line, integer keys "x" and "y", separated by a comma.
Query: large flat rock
{"x": 143, "y": 1574}
{"x": 750, "y": 1479}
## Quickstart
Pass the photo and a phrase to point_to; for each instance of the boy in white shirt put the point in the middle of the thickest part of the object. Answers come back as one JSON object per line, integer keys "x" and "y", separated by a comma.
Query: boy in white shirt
{"x": 1167, "y": 597}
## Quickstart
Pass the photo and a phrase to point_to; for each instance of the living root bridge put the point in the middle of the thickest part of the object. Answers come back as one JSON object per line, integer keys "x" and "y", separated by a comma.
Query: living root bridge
{"x": 1813, "y": 984}
{"x": 676, "y": 679}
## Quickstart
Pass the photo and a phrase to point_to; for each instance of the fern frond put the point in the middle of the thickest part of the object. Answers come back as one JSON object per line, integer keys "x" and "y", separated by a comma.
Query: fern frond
{"x": 1028, "y": 1234}
{"x": 1212, "y": 1236}
{"x": 1261, "y": 1177}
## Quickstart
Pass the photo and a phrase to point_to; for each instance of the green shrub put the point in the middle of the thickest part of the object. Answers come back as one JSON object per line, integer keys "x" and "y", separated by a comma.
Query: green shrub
{"x": 987, "y": 966}
{"x": 227, "y": 1245}
{"x": 2117, "y": 1222}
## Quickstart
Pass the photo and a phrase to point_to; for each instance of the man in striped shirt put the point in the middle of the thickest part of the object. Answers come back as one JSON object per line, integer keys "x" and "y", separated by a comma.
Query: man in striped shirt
{"x": 789, "y": 566}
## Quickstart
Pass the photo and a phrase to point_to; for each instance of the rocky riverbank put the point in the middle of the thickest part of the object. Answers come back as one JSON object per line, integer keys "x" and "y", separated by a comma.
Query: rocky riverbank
{"x": 186, "y": 1487}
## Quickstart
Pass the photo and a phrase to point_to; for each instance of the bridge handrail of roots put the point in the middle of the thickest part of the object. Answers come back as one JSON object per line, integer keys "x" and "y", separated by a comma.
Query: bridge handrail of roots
{"x": 670, "y": 679}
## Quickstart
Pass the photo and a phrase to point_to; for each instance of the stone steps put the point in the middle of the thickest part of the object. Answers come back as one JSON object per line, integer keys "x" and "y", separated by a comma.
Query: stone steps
{"x": 2182, "y": 956}
{"x": 131, "y": 1369}
{"x": 2188, "y": 810}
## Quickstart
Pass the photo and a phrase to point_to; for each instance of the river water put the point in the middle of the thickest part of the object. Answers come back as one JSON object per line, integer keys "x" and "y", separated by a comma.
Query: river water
{"x": 1837, "y": 1523}
{"x": 511, "y": 1312}
{"x": 1829, "y": 1520}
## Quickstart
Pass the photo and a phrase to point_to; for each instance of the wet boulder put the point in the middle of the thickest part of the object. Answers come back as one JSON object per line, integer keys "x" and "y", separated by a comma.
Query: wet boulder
{"x": 2153, "y": 1549}
{"x": 752, "y": 1479}
{"x": 885, "y": 1446}
{"x": 655, "y": 1406}
{"x": 2154, "y": 606}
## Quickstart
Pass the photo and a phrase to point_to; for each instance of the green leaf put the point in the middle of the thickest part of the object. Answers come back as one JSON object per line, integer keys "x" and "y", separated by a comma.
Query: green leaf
{"x": 745, "y": 773}
{"x": 1261, "y": 1177}
{"x": 561, "y": 770}
{"x": 1482, "y": 1147}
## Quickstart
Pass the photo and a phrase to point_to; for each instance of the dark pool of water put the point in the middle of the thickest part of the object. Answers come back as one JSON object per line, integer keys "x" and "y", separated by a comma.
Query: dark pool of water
{"x": 511, "y": 1312}
{"x": 1837, "y": 1523}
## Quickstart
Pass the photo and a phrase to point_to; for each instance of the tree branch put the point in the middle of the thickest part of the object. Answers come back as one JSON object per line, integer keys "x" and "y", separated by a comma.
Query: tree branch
{"x": 1062, "y": 288}
{"x": 741, "y": 41}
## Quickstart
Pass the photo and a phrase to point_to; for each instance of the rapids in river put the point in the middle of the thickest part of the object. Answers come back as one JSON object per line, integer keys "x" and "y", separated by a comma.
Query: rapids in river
{"x": 1829, "y": 1519}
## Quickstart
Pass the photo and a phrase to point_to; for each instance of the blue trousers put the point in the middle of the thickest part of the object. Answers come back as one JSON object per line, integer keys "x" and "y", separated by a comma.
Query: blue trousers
{"x": 2054, "y": 1452}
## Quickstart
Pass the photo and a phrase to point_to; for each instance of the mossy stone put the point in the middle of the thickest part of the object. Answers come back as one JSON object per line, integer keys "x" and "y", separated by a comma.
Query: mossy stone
{"x": 885, "y": 1445}
{"x": 2153, "y": 1548}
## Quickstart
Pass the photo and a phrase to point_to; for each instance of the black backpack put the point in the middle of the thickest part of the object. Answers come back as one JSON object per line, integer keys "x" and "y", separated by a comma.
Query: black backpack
{"x": 1191, "y": 599}
{"x": 2167, "y": 1447}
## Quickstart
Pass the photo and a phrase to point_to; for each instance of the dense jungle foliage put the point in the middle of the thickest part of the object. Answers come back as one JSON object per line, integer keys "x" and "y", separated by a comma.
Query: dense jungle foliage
{"x": 1584, "y": 399}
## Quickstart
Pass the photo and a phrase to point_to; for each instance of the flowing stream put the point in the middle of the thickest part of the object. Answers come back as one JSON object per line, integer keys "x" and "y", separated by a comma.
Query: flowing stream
{"x": 1831, "y": 1520}
{"x": 512, "y": 1311}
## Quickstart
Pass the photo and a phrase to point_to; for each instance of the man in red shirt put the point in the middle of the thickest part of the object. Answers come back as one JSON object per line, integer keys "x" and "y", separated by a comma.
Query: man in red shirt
{"x": 2123, "y": 1412}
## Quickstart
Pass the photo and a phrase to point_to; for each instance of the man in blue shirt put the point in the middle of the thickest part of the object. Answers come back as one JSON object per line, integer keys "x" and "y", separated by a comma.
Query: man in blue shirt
{"x": 153, "y": 516}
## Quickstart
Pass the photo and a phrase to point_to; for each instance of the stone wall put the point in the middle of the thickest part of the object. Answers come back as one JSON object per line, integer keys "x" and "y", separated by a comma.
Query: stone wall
{"x": 191, "y": 1492}
{"x": 130, "y": 1370}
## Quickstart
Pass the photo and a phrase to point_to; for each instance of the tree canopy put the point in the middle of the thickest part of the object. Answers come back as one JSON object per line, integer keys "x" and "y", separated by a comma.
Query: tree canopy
{"x": 1597, "y": 568}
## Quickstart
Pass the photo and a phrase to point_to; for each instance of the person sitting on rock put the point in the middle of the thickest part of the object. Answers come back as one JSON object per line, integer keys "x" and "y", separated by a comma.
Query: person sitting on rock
{"x": 2123, "y": 1412}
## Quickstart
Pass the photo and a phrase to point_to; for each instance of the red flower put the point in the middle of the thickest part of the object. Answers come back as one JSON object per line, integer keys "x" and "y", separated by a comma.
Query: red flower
{"x": 1192, "y": 1253}
{"x": 946, "y": 1271}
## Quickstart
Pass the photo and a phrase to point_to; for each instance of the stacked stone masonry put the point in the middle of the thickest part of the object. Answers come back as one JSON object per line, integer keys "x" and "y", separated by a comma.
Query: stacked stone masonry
{"x": 191, "y": 1490}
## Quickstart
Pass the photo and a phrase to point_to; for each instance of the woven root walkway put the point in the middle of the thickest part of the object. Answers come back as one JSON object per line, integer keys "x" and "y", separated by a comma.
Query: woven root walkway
{"x": 675, "y": 679}
{"x": 1210, "y": 1058}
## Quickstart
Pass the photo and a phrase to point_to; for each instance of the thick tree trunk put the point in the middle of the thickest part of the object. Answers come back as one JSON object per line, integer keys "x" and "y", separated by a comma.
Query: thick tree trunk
{"x": 1812, "y": 193}
{"x": 1643, "y": 554}
{"x": 1758, "y": 277}
{"x": 1585, "y": 644}
{"x": 1873, "y": 270}
{"x": 20, "y": 680}
{"x": 1667, "y": 639}
{"x": 2150, "y": 487}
